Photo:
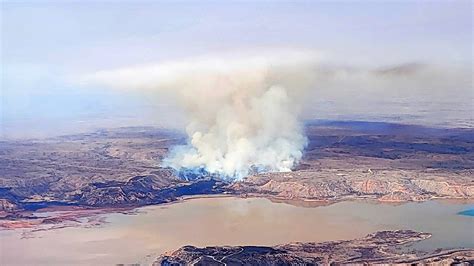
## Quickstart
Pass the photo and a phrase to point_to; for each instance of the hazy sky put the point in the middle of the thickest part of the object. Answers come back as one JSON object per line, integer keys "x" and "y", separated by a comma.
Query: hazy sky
{"x": 44, "y": 44}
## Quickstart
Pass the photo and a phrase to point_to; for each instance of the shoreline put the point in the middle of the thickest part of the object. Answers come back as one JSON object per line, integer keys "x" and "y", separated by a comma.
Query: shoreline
{"x": 99, "y": 218}
{"x": 70, "y": 216}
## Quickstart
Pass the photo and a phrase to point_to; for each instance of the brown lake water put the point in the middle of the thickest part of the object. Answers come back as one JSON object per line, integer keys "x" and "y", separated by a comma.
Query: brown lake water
{"x": 142, "y": 237}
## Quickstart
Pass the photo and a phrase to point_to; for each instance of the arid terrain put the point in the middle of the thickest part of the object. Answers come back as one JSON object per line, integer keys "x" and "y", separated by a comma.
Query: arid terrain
{"x": 384, "y": 247}
{"x": 387, "y": 162}
{"x": 343, "y": 161}
{"x": 86, "y": 175}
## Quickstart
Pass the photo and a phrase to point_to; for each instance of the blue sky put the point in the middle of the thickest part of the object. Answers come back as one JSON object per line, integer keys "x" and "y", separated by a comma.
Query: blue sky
{"x": 44, "y": 43}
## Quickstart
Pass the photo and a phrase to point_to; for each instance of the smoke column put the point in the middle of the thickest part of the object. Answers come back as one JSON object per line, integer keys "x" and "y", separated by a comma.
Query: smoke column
{"x": 242, "y": 112}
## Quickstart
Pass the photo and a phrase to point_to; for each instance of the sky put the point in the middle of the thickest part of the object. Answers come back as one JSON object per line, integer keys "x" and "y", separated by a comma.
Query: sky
{"x": 45, "y": 46}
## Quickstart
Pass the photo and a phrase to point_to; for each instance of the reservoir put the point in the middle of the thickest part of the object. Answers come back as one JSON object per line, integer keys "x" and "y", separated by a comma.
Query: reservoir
{"x": 143, "y": 236}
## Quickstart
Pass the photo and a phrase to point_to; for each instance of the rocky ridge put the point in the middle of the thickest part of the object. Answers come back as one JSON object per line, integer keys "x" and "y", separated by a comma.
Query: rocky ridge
{"x": 384, "y": 247}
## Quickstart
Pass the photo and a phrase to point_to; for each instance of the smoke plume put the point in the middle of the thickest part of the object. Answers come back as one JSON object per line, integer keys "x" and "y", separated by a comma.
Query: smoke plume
{"x": 242, "y": 112}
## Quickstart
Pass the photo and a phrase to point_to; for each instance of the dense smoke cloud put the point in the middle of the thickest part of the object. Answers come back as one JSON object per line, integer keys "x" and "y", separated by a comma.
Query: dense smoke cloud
{"x": 242, "y": 112}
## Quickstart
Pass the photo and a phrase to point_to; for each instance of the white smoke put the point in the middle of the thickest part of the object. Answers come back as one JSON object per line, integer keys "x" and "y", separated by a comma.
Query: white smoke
{"x": 242, "y": 112}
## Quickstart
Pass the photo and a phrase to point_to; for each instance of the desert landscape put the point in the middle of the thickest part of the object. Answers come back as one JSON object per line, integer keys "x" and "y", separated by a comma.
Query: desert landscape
{"x": 79, "y": 178}
{"x": 343, "y": 161}
{"x": 236, "y": 132}
{"x": 376, "y": 248}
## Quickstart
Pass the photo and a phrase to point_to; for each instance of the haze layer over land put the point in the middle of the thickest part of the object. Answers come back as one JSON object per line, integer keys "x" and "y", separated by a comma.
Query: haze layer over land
{"x": 71, "y": 39}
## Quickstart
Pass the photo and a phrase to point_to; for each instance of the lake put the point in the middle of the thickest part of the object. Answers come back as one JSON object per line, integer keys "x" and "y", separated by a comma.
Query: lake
{"x": 142, "y": 237}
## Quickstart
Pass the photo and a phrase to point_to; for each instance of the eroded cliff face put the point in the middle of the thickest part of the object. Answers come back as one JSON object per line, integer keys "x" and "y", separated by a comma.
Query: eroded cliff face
{"x": 394, "y": 163}
{"x": 118, "y": 168}
{"x": 447, "y": 188}
{"x": 357, "y": 184}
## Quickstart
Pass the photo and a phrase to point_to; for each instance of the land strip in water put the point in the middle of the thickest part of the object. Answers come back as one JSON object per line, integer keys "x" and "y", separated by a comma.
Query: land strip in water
{"x": 383, "y": 247}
